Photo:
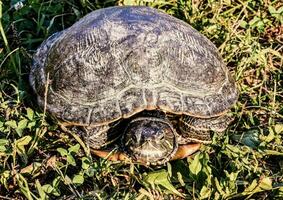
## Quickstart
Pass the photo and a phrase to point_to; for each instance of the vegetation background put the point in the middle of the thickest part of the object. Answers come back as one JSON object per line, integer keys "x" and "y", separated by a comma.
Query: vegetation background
{"x": 39, "y": 161}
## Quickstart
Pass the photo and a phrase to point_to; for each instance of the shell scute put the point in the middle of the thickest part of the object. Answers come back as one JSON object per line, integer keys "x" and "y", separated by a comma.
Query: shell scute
{"x": 131, "y": 101}
{"x": 105, "y": 112}
{"x": 78, "y": 114}
{"x": 195, "y": 106}
{"x": 169, "y": 99}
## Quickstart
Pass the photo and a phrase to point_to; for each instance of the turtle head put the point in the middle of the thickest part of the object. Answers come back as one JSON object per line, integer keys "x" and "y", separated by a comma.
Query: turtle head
{"x": 150, "y": 140}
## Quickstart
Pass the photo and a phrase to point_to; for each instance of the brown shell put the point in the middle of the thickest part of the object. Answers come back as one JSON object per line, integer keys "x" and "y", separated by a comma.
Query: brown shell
{"x": 118, "y": 61}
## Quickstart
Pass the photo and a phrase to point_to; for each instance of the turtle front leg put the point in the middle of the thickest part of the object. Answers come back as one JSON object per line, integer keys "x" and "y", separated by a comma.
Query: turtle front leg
{"x": 194, "y": 129}
{"x": 97, "y": 137}
{"x": 94, "y": 136}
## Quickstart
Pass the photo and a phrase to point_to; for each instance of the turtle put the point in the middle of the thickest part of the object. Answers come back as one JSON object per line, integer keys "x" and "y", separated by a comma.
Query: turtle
{"x": 155, "y": 77}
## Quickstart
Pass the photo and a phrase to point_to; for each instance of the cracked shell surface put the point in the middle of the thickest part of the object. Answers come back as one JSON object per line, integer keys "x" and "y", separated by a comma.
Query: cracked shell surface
{"x": 118, "y": 61}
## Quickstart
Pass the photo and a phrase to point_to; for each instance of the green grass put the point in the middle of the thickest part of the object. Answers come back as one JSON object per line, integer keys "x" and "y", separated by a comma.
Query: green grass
{"x": 39, "y": 161}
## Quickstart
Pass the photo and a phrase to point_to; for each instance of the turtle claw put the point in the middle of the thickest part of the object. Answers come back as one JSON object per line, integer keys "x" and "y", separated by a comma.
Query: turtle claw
{"x": 186, "y": 150}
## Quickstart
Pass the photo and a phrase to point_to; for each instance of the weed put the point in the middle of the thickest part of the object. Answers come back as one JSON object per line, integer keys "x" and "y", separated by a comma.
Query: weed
{"x": 40, "y": 161}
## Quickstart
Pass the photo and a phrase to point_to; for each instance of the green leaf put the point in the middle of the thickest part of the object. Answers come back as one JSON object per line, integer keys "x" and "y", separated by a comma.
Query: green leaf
{"x": 71, "y": 160}
{"x": 161, "y": 178}
{"x": 4, "y": 177}
{"x": 63, "y": 152}
{"x": 3, "y": 142}
{"x": 30, "y": 114}
{"x": 180, "y": 179}
{"x": 278, "y": 128}
{"x": 270, "y": 136}
{"x": 20, "y": 146}
{"x": 78, "y": 179}
{"x": 219, "y": 187}
{"x": 2, "y": 148}
{"x": 12, "y": 124}
{"x": 24, "y": 140}
{"x": 20, "y": 143}
{"x": 232, "y": 176}
{"x": 24, "y": 186}
{"x": 56, "y": 181}
{"x": 85, "y": 163}
{"x": 272, "y": 10}
{"x": 129, "y": 2}
{"x": 263, "y": 184}
{"x": 195, "y": 166}
{"x": 205, "y": 192}
{"x": 40, "y": 190}
{"x": 47, "y": 188}
{"x": 90, "y": 172}
{"x": 21, "y": 126}
{"x": 243, "y": 24}
{"x": 74, "y": 148}
{"x": 31, "y": 124}
{"x": 254, "y": 21}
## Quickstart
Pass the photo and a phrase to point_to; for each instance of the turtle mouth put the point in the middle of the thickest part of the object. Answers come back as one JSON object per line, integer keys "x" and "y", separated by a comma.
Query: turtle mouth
{"x": 182, "y": 152}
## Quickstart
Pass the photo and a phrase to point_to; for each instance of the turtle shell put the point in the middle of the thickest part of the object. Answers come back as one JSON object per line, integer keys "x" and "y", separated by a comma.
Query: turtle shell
{"x": 118, "y": 61}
